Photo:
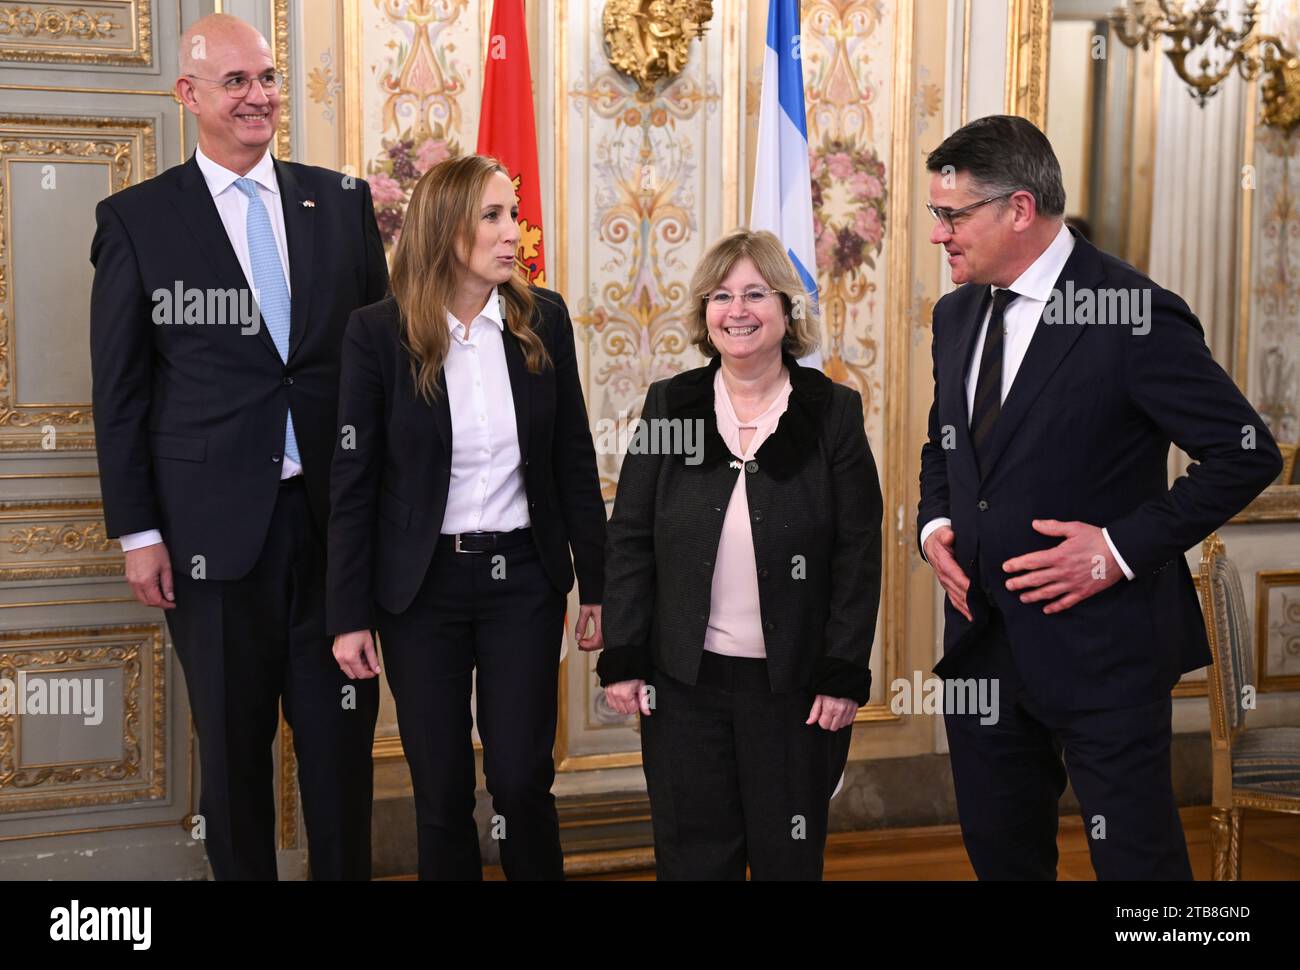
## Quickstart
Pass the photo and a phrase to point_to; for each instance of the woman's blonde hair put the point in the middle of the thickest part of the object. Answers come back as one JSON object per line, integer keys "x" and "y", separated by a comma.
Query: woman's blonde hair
{"x": 767, "y": 254}
{"x": 444, "y": 211}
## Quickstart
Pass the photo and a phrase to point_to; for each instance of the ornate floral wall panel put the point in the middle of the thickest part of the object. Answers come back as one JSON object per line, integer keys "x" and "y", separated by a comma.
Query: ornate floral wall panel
{"x": 420, "y": 89}
{"x": 1273, "y": 382}
{"x": 644, "y": 181}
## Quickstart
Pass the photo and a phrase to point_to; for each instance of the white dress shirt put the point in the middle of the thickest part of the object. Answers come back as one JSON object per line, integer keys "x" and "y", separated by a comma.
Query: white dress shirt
{"x": 1033, "y": 288}
{"x": 232, "y": 206}
{"x": 486, "y": 493}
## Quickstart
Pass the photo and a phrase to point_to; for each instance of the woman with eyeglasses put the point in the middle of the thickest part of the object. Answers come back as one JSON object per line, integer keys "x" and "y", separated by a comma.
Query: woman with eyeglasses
{"x": 463, "y": 477}
{"x": 743, "y": 579}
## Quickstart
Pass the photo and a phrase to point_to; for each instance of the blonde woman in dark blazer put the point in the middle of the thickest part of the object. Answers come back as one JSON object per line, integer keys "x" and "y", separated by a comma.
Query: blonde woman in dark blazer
{"x": 463, "y": 480}
{"x": 742, "y": 583}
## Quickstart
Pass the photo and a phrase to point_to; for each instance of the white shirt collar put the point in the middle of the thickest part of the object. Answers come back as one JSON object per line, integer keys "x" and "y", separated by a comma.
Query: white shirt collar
{"x": 491, "y": 312}
{"x": 1037, "y": 281}
{"x": 220, "y": 178}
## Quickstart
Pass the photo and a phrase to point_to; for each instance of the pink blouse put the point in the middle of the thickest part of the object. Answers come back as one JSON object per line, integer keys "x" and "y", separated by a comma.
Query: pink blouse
{"x": 735, "y": 622}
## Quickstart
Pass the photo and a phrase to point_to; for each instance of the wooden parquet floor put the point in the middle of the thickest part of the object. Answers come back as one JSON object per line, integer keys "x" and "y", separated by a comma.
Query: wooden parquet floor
{"x": 1270, "y": 850}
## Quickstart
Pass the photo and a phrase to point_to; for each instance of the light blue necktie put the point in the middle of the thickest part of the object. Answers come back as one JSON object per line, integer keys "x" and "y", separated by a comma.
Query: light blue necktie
{"x": 272, "y": 290}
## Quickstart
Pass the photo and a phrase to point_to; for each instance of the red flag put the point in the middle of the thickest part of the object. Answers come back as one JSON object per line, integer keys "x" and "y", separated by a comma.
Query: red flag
{"x": 506, "y": 128}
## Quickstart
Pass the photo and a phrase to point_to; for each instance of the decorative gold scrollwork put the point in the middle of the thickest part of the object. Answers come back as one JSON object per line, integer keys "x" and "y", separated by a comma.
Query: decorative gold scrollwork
{"x": 26, "y": 22}
{"x": 120, "y": 34}
{"x": 1202, "y": 29}
{"x": 649, "y": 40}
{"x": 42, "y": 539}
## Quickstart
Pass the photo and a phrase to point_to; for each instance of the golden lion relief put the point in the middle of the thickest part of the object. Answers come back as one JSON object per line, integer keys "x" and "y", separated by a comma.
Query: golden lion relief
{"x": 648, "y": 40}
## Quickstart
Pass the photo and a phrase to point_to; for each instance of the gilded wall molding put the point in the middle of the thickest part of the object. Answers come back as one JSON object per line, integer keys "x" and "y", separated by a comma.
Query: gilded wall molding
{"x": 54, "y": 23}
{"x": 108, "y": 32}
{"x": 128, "y": 148}
{"x": 1283, "y": 626}
{"x": 1240, "y": 369}
{"x": 1029, "y": 25}
{"x": 62, "y": 539}
{"x": 1277, "y": 503}
{"x": 140, "y": 772}
{"x": 280, "y": 42}
{"x": 898, "y": 540}
{"x": 351, "y": 86}
{"x": 185, "y": 785}
{"x": 288, "y": 788}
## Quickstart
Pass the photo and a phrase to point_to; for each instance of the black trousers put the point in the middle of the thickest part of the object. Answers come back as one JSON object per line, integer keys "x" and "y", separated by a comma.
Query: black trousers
{"x": 1009, "y": 778}
{"x": 246, "y": 647}
{"x": 496, "y": 613}
{"x": 736, "y": 777}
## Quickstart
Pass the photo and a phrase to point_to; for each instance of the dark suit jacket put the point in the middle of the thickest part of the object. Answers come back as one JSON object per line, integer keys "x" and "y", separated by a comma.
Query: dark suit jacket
{"x": 390, "y": 491}
{"x": 813, "y": 493}
{"x": 1084, "y": 434}
{"x": 189, "y": 418}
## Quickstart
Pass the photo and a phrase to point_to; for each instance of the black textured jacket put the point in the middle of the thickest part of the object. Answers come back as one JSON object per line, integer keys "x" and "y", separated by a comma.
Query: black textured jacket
{"x": 815, "y": 511}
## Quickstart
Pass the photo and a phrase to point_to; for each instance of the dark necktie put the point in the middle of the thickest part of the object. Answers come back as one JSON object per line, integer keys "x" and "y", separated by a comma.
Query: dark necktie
{"x": 988, "y": 386}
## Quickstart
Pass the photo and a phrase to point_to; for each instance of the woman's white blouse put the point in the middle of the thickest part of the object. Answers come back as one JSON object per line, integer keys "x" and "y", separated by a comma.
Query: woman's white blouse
{"x": 487, "y": 483}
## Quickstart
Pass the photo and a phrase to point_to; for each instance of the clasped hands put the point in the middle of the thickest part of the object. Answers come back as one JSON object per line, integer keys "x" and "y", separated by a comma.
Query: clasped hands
{"x": 1081, "y": 565}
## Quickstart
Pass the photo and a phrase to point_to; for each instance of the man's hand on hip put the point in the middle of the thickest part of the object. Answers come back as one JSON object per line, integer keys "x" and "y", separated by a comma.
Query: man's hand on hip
{"x": 149, "y": 571}
{"x": 938, "y": 552}
{"x": 1080, "y": 566}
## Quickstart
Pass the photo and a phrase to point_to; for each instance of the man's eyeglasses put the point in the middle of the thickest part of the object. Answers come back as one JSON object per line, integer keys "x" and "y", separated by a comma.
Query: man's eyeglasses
{"x": 237, "y": 86}
{"x": 948, "y": 217}
{"x": 752, "y": 296}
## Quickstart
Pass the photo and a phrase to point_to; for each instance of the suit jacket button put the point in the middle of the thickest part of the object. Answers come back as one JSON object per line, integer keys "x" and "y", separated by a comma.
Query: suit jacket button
{"x": 275, "y": 458}
{"x": 758, "y": 516}
{"x": 287, "y": 381}
{"x": 751, "y": 466}
{"x": 983, "y": 506}
{"x": 762, "y": 574}
{"x": 769, "y": 626}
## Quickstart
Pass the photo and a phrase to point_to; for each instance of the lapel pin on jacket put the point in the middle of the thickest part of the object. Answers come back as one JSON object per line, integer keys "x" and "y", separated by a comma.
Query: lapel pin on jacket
{"x": 308, "y": 204}
{"x": 736, "y": 465}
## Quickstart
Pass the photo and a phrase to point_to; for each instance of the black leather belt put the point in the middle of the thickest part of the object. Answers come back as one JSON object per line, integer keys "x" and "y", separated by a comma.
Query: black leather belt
{"x": 485, "y": 541}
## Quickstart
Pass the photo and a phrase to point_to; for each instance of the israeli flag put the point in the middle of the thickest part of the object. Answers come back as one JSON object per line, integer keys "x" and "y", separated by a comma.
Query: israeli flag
{"x": 782, "y": 186}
